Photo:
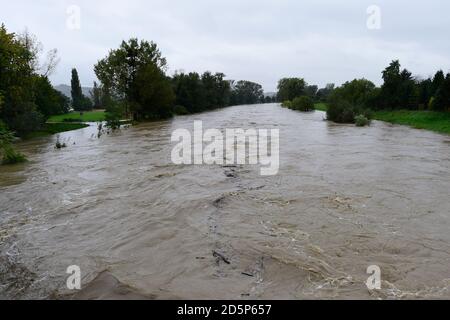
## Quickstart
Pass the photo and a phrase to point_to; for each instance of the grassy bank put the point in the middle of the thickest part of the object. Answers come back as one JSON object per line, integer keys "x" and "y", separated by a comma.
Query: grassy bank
{"x": 91, "y": 116}
{"x": 54, "y": 128}
{"x": 428, "y": 120}
{"x": 433, "y": 121}
{"x": 321, "y": 106}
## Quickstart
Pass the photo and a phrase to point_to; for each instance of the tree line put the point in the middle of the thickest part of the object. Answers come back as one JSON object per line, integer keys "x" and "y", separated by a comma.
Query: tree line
{"x": 359, "y": 97}
{"x": 27, "y": 97}
{"x": 133, "y": 82}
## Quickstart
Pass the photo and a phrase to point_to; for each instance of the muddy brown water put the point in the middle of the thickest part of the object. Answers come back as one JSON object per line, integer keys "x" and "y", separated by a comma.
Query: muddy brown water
{"x": 345, "y": 198}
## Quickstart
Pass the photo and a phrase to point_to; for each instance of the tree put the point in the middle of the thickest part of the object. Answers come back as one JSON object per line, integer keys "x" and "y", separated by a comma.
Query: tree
{"x": 304, "y": 104}
{"x": 351, "y": 100}
{"x": 441, "y": 101}
{"x": 438, "y": 80}
{"x": 247, "y": 92}
{"x": 96, "y": 96}
{"x": 35, "y": 49}
{"x": 311, "y": 91}
{"x": 77, "y": 93}
{"x": 123, "y": 71}
{"x": 154, "y": 95}
{"x": 360, "y": 92}
{"x": 291, "y": 88}
{"x": 48, "y": 100}
{"x": 324, "y": 93}
{"x": 426, "y": 92}
{"x": 399, "y": 89}
{"x": 189, "y": 92}
{"x": 17, "y": 79}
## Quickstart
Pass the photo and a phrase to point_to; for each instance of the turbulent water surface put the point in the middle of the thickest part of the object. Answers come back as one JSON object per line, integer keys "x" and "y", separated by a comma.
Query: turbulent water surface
{"x": 345, "y": 198}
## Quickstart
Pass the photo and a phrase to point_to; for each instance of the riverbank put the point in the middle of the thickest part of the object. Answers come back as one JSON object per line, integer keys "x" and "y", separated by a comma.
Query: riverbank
{"x": 55, "y": 128}
{"x": 427, "y": 120}
{"x": 91, "y": 116}
{"x": 433, "y": 121}
{"x": 68, "y": 122}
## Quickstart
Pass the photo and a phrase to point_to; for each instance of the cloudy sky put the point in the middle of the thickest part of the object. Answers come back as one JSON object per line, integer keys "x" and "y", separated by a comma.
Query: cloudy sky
{"x": 322, "y": 41}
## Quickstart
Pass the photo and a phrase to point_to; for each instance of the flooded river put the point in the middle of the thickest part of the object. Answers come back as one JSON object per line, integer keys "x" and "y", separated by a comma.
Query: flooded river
{"x": 345, "y": 198}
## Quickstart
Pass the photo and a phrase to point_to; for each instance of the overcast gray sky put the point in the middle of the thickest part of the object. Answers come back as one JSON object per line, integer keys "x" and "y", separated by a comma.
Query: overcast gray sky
{"x": 322, "y": 41}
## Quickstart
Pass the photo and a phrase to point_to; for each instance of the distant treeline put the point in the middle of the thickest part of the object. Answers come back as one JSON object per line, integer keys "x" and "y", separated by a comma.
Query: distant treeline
{"x": 133, "y": 83}
{"x": 400, "y": 90}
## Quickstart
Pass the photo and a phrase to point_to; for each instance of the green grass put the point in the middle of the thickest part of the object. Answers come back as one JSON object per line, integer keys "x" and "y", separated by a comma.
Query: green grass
{"x": 428, "y": 120}
{"x": 433, "y": 121}
{"x": 91, "y": 116}
{"x": 321, "y": 106}
{"x": 54, "y": 128}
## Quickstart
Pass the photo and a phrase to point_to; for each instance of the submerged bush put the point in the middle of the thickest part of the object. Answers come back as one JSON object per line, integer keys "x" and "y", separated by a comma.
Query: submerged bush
{"x": 11, "y": 156}
{"x": 342, "y": 111}
{"x": 114, "y": 116}
{"x": 362, "y": 121}
{"x": 304, "y": 104}
{"x": 286, "y": 104}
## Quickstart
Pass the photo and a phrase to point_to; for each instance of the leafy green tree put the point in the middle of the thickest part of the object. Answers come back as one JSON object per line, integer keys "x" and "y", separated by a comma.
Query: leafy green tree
{"x": 441, "y": 101}
{"x": 154, "y": 94}
{"x": 342, "y": 111}
{"x": 291, "y": 88}
{"x": 199, "y": 93}
{"x": 359, "y": 92}
{"x": 96, "y": 96}
{"x": 426, "y": 92}
{"x": 48, "y": 100}
{"x": 16, "y": 80}
{"x": 438, "y": 80}
{"x": 324, "y": 93}
{"x": 189, "y": 92}
{"x": 399, "y": 90}
{"x": 311, "y": 91}
{"x": 352, "y": 99}
{"x": 247, "y": 92}
{"x": 77, "y": 93}
{"x": 125, "y": 72}
{"x": 304, "y": 104}
{"x": 216, "y": 90}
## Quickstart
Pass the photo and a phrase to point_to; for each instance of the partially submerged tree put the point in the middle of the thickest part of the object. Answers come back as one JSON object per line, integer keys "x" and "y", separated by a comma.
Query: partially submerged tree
{"x": 135, "y": 74}
{"x": 247, "y": 92}
{"x": 291, "y": 88}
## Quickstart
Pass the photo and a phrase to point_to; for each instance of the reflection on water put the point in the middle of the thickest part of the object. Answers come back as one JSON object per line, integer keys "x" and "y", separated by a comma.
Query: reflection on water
{"x": 345, "y": 198}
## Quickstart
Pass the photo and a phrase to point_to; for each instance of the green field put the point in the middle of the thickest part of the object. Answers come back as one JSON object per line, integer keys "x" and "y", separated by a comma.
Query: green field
{"x": 321, "y": 106}
{"x": 91, "y": 116}
{"x": 434, "y": 121}
{"x": 428, "y": 120}
{"x": 54, "y": 128}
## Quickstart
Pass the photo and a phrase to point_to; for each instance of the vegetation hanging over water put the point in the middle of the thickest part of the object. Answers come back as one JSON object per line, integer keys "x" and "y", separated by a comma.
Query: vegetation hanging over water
{"x": 133, "y": 85}
{"x": 7, "y": 152}
{"x": 134, "y": 75}
{"x": 357, "y": 100}
{"x": 27, "y": 98}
